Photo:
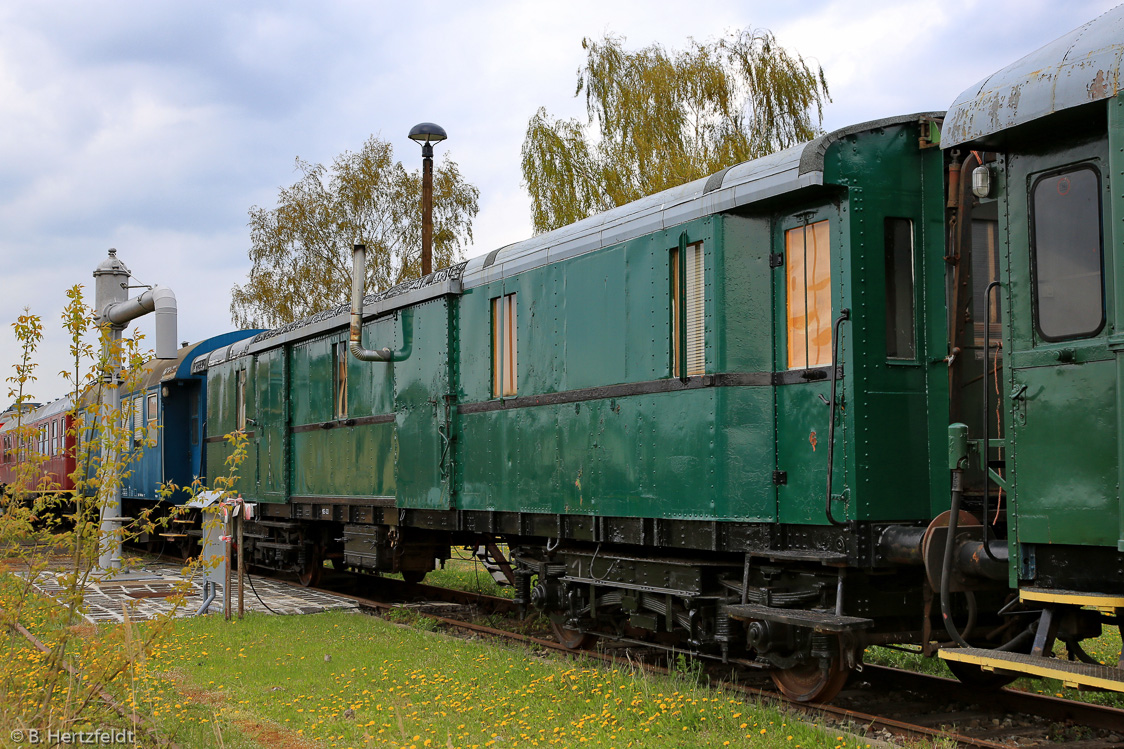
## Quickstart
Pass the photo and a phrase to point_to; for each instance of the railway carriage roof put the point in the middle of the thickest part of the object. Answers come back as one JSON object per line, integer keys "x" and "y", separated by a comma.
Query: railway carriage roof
{"x": 743, "y": 184}
{"x": 1081, "y": 67}
{"x": 749, "y": 182}
{"x": 54, "y": 408}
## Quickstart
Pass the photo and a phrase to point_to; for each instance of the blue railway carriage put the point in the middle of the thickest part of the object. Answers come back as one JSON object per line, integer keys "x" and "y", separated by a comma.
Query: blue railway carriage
{"x": 170, "y": 406}
{"x": 1039, "y": 150}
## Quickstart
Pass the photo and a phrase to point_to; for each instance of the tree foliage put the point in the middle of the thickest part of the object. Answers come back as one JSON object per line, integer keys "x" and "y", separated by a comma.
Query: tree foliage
{"x": 301, "y": 250}
{"x": 656, "y": 119}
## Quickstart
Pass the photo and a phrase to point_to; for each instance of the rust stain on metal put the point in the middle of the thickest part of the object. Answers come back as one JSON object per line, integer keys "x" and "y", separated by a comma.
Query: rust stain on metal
{"x": 1098, "y": 89}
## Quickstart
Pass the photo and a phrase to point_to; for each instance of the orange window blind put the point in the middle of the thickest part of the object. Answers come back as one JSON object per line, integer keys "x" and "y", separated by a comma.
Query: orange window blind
{"x": 808, "y": 289}
{"x": 504, "y": 346}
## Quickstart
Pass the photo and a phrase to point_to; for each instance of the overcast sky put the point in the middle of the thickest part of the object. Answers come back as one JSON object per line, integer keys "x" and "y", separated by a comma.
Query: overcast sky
{"x": 153, "y": 127}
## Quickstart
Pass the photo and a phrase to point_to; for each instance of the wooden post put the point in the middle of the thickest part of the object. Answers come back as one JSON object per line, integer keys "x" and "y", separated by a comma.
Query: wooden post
{"x": 241, "y": 556}
{"x": 226, "y": 576}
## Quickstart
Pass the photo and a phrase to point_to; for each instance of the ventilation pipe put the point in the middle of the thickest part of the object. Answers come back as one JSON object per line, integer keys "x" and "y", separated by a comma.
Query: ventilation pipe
{"x": 158, "y": 299}
{"x": 358, "y": 270}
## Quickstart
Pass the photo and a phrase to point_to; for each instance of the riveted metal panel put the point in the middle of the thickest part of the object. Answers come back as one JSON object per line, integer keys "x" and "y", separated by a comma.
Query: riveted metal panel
{"x": 421, "y": 384}
{"x": 1061, "y": 396}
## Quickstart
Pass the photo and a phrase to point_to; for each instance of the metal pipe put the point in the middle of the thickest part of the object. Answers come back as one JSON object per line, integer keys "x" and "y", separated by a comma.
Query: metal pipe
{"x": 946, "y": 566}
{"x": 901, "y": 544}
{"x": 158, "y": 299}
{"x": 987, "y": 420}
{"x": 208, "y": 597}
{"x": 971, "y": 560}
{"x": 844, "y": 314}
{"x": 358, "y": 271}
{"x": 427, "y": 209}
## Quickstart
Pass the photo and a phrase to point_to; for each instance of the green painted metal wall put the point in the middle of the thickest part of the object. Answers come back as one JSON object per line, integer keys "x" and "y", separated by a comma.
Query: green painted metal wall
{"x": 601, "y": 320}
{"x": 1063, "y": 435}
{"x": 897, "y": 415}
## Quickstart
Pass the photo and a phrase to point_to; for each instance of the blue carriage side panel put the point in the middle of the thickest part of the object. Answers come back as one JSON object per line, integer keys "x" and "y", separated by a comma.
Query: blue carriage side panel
{"x": 168, "y": 409}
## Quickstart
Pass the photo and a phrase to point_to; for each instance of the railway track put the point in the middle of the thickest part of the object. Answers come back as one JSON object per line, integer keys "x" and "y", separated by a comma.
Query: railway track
{"x": 881, "y": 703}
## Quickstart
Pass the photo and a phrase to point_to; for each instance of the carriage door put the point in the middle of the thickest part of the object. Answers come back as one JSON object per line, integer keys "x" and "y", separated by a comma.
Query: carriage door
{"x": 804, "y": 308}
{"x": 271, "y": 425}
{"x": 423, "y": 405}
{"x": 1062, "y": 387}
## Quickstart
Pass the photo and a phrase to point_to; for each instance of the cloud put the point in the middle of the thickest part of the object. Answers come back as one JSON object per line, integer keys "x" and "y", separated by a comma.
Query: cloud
{"x": 153, "y": 127}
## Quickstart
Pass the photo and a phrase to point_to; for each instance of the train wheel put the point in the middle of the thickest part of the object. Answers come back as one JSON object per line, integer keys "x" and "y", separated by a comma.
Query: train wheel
{"x": 571, "y": 639}
{"x": 811, "y": 682}
{"x": 309, "y": 575}
{"x": 413, "y": 577}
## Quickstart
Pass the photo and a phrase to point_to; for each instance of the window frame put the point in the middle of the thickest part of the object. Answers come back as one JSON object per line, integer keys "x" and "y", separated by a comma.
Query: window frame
{"x": 339, "y": 379}
{"x": 912, "y": 357}
{"x": 1033, "y": 241}
{"x": 240, "y": 400}
{"x": 152, "y": 415}
{"x": 504, "y": 318}
{"x": 686, "y": 322}
{"x": 805, "y": 220}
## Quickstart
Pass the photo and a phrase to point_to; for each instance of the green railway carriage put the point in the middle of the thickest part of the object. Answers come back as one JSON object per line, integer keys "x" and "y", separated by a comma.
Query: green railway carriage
{"x": 1049, "y": 131}
{"x": 645, "y": 406}
{"x": 868, "y": 390}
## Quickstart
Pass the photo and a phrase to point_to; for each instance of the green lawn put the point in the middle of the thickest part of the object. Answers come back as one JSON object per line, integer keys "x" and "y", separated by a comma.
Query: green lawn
{"x": 341, "y": 679}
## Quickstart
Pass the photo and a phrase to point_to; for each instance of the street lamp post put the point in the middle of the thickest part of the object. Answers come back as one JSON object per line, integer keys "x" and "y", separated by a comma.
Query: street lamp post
{"x": 426, "y": 134}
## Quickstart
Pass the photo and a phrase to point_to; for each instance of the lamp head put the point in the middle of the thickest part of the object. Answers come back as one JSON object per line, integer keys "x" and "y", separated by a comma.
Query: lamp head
{"x": 425, "y": 133}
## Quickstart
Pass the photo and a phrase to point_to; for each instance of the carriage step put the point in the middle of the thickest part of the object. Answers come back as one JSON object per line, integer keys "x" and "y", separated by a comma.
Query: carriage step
{"x": 487, "y": 554}
{"x": 1071, "y": 673}
{"x": 173, "y": 535}
{"x": 821, "y": 621}
{"x": 823, "y": 557}
{"x": 1101, "y": 601}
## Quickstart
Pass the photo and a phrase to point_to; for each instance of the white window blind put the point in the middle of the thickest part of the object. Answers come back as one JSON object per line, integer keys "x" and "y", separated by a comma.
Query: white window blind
{"x": 695, "y": 303}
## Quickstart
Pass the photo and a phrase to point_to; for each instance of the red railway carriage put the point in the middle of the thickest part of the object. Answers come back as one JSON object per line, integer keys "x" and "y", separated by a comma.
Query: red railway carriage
{"x": 51, "y": 435}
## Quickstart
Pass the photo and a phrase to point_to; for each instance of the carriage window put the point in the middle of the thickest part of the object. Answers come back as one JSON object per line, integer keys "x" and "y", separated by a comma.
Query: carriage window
{"x": 504, "y": 346}
{"x": 54, "y": 438}
{"x": 153, "y": 415}
{"x": 901, "y": 339}
{"x": 688, "y": 312}
{"x": 1067, "y": 249}
{"x": 138, "y": 420}
{"x": 339, "y": 357}
{"x": 240, "y": 400}
{"x": 807, "y": 259}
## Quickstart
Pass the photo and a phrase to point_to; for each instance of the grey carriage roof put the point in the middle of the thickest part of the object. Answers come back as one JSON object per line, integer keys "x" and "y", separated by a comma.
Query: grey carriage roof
{"x": 748, "y": 182}
{"x": 1081, "y": 67}
{"x": 742, "y": 184}
{"x": 55, "y": 407}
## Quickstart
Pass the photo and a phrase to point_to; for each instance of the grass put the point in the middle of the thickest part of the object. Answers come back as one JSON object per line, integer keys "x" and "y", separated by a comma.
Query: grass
{"x": 344, "y": 680}
{"x": 463, "y": 571}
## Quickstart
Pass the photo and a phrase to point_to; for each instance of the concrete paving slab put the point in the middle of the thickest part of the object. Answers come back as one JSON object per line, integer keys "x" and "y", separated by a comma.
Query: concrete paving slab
{"x": 107, "y": 600}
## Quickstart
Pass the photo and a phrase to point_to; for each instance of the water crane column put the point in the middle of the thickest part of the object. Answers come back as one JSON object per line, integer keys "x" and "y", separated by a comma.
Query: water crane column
{"x": 114, "y": 308}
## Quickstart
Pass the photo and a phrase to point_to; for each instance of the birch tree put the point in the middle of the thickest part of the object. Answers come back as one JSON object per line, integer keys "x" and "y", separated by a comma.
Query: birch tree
{"x": 301, "y": 249}
{"x": 657, "y": 118}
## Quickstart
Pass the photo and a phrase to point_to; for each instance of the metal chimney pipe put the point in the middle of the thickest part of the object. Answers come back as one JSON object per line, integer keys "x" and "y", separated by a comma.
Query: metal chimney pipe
{"x": 358, "y": 273}
{"x": 158, "y": 299}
